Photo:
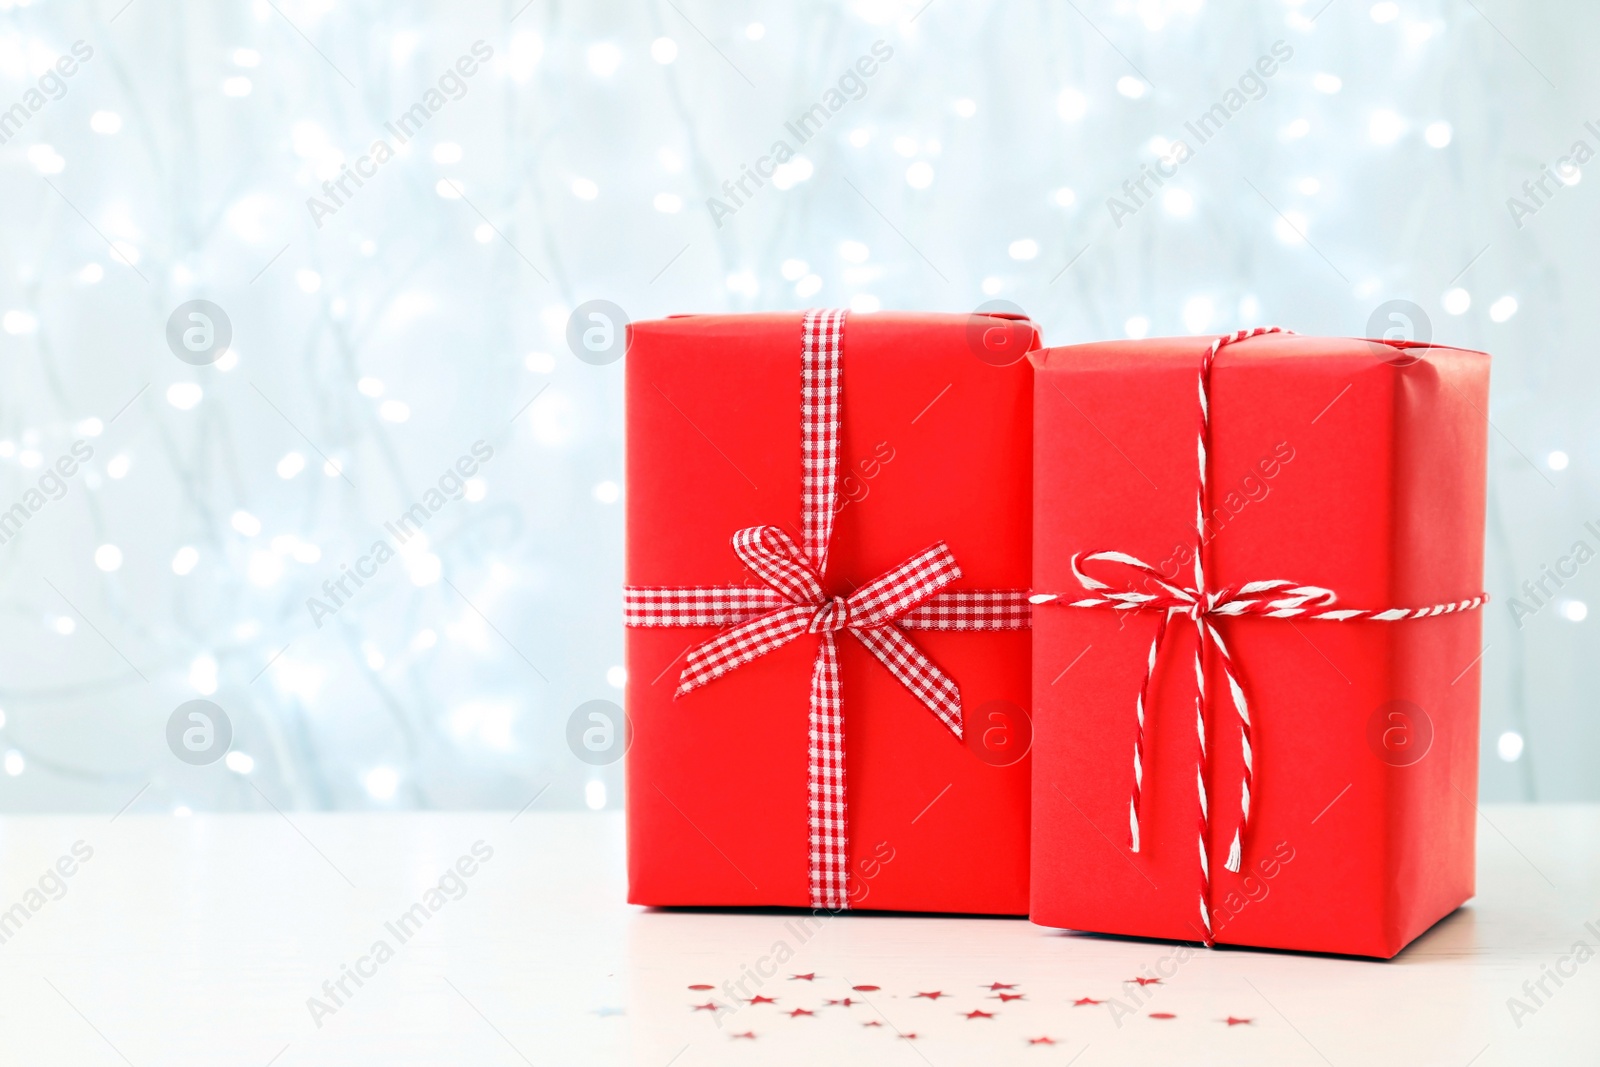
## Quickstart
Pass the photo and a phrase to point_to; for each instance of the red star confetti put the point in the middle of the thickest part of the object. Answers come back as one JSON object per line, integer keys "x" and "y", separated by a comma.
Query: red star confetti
{"x": 1148, "y": 981}
{"x": 979, "y": 1013}
{"x": 702, "y": 987}
{"x": 846, "y": 1002}
{"x": 799, "y": 1012}
{"x": 812, "y": 977}
{"x": 1081, "y": 1001}
{"x": 935, "y": 995}
{"x": 908, "y": 1037}
{"x": 1003, "y": 997}
{"x": 1001, "y": 985}
{"x": 872, "y": 1022}
{"x": 1231, "y": 1021}
{"x": 1041, "y": 1040}
{"x": 749, "y": 1035}
{"x": 759, "y": 999}
{"x": 866, "y": 988}
{"x": 709, "y": 1005}
{"x": 1162, "y": 1015}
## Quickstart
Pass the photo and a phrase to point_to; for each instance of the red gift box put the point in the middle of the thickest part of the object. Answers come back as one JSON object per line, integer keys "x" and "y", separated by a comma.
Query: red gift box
{"x": 1340, "y": 521}
{"x": 761, "y": 641}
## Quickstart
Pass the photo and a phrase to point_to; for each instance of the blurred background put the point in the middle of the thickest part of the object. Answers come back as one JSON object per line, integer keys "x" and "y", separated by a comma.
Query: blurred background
{"x": 183, "y": 486}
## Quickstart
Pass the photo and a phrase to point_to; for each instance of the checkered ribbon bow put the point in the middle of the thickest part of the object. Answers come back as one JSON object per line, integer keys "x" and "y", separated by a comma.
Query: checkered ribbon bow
{"x": 793, "y": 603}
{"x": 1275, "y": 598}
{"x": 867, "y": 614}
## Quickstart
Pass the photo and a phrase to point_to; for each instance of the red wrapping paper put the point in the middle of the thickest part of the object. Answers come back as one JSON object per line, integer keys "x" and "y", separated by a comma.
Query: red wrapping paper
{"x": 934, "y": 445}
{"x": 1338, "y": 463}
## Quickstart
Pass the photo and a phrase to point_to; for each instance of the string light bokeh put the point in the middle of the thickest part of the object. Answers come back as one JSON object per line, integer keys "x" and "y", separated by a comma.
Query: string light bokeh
{"x": 422, "y": 310}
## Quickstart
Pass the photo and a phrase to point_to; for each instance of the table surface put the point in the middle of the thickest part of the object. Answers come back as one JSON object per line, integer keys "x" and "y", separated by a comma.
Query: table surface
{"x": 205, "y": 940}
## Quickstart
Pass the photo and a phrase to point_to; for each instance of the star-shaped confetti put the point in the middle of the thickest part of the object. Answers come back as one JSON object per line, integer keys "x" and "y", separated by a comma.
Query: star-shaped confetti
{"x": 759, "y": 999}
{"x": 799, "y": 1012}
{"x": 935, "y": 995}
{"x": 872, "y": 1022}
{"x": 1148, "y": 981}
{"x": 1081, "y": 1001}
{"x": 908, "y": 1037}
{"x": 709, "y": 1005}
{"x": 846, "y": 1002}
{"x": 1231, "y": 1021}
{"x": 979, "y": 1013}
{"x": 1003, "y": 997}
{"x": 1041, "y": 1040}
{"x": 866, "y": 988}
{"x": 812, "y": 977}
{"x": 749, "y": 1035}
{"x": 1001, "y": 985}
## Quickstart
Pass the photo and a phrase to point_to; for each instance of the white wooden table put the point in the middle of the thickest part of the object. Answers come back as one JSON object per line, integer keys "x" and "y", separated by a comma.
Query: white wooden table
{"x": 200, "y": 941}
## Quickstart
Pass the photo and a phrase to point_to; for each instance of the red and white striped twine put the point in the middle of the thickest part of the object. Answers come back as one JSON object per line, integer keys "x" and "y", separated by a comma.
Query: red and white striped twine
{"x": 1274, "y": 598}
{"x": 911, "y": 596}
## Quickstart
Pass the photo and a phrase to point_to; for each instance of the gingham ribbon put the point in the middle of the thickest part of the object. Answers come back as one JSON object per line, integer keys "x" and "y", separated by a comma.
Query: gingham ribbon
{"x": 792, "y": 602}
{"x": 1276, "y": 598}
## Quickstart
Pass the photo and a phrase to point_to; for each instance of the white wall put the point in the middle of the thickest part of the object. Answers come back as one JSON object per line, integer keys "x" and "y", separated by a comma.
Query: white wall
{"x": 456, "y": 306}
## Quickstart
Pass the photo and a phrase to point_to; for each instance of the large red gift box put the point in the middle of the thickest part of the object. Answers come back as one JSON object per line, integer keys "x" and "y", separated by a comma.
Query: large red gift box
{"x": 1331, "y": 806}
{"x": 888, "y": 606}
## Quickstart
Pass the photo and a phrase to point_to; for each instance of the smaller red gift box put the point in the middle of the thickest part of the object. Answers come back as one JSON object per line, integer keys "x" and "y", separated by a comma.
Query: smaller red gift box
{"x": 827, "y": 568}
{"x": 1257, "y": 566}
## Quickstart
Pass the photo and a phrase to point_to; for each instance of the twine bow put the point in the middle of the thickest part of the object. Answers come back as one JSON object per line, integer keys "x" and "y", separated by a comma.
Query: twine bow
{"x": 1276, "y": 598}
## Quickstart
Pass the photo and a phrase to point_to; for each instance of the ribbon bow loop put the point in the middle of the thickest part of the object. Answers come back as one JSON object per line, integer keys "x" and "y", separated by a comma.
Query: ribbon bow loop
{"x": 869, "y": 614}
{"x": 896, "y": 591}
{"x": 772, "y": 556}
